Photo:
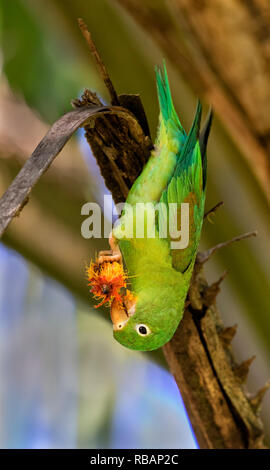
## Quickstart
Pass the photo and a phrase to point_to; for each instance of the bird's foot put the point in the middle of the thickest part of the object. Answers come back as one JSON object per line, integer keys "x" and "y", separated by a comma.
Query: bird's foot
{"x": 108, "y": 256}
{"x": 114, "y": 254}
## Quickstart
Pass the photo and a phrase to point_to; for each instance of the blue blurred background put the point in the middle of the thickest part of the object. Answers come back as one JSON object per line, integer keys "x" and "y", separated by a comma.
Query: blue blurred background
{"x": 66, "y": 384}
{"x": 64, "y": 381}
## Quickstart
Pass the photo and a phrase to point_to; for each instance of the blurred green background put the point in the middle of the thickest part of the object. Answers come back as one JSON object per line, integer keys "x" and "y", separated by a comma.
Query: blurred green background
{"x": 64, "y": 381}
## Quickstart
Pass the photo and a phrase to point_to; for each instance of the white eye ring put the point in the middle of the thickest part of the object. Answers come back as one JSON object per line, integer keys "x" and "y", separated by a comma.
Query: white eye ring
{"x": 142, "y": 330}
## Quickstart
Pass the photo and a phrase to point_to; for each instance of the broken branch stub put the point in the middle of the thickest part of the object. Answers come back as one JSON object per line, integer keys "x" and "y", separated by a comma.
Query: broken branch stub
{"x": 120, "y": 147}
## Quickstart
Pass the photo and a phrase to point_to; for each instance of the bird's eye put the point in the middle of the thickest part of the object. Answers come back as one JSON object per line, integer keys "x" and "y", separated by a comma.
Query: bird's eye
{"x": 142, "y": 330}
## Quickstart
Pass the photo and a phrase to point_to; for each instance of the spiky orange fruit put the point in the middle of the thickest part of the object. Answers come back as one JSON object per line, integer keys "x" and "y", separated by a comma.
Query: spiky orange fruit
{"x": 107, "y": 281}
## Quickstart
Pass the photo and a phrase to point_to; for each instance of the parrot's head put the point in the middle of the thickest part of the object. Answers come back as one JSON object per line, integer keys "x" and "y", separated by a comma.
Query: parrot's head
{"x": 147, "y": 322}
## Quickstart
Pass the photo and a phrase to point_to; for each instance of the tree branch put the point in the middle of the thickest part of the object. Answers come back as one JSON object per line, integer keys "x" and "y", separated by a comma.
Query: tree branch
{"x": 100, "y": 64}
{"x": 213, "y": 210}
{"x": 16, "y": 196}
{"x": 206, "y": 255}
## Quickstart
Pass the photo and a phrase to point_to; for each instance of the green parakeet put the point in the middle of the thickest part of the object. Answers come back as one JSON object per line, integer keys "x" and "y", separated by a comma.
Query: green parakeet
{"x": 159, "y": 274}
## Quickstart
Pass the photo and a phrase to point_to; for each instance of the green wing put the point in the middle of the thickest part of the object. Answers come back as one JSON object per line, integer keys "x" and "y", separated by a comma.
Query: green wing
{"x": 175, "y": 173}
{"x": 187, "y": 185}
{"x": 171, "y": 137}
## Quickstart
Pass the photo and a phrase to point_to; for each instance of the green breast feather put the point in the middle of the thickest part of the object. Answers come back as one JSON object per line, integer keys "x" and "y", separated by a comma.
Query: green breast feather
{"x": 158, "y": 270}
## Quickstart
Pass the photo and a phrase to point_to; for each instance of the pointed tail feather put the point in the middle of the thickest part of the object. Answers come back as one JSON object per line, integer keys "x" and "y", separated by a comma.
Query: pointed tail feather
{"x": 168, "y": 112}
{"x": 203, "y": 143}
{"x": 192, "y": 138}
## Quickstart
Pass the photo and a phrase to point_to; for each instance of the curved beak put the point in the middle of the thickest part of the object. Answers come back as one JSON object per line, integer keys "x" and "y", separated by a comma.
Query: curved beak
{"x": 120, "y": 315}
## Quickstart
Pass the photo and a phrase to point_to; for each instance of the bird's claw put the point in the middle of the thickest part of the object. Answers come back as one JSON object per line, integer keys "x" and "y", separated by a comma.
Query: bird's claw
{"x": 108, "y": 256}
{"x": 114, "y": 254}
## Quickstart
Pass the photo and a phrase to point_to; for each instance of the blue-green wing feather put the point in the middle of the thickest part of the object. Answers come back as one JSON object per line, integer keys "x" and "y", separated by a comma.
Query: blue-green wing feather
{"x": 187, "y": 185}
{"x": 167, "y": 110}
{"x": 175, "y": 172}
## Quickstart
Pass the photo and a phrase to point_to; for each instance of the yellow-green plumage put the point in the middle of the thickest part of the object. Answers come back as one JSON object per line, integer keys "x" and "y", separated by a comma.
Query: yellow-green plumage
{"x": 159, "y": 275}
